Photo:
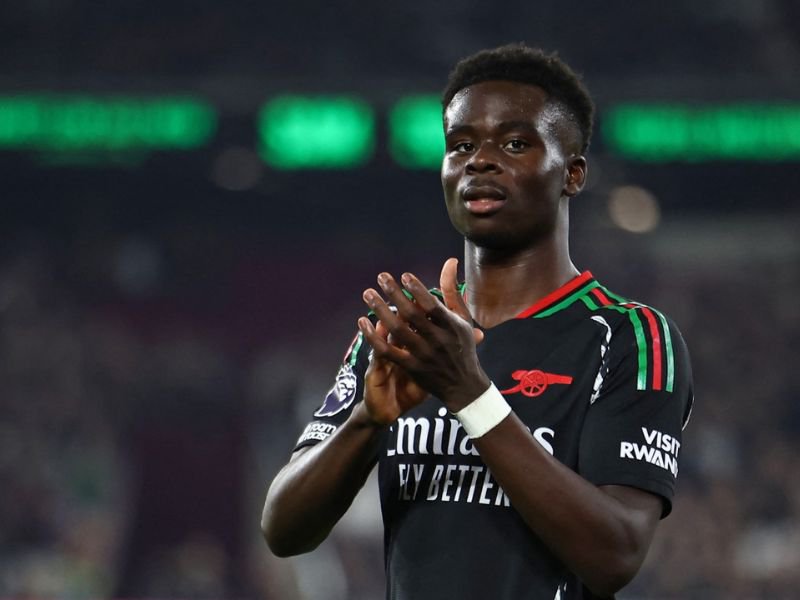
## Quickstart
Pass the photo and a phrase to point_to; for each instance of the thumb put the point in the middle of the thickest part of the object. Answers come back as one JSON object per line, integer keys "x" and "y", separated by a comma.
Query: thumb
{"x": 448, "y": 283}
{"x": 453, "y": 300}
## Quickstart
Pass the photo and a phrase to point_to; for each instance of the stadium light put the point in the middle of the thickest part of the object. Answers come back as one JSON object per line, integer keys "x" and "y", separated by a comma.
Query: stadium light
{"x": 323, "y": 132}
{"x": 76, "y": 122}
{"x": 416, "y": 139}
{"x": 692, "y": 133}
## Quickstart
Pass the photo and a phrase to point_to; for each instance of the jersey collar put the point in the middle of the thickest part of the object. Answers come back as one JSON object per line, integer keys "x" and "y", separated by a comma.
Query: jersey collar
{"x": 560, "y": 298}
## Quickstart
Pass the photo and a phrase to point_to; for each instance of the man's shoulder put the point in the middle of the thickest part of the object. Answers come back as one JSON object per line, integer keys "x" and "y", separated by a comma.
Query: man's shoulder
{"x": 625, "y": 311}
{"x": 645, "y": 337}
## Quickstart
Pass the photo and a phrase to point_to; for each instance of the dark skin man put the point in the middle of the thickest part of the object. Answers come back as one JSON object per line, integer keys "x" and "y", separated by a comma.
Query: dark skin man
{"x": 511, "y": 165}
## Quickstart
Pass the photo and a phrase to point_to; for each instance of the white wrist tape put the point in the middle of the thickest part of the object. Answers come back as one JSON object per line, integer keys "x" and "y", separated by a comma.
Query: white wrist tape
{"x": 483, "y": 413}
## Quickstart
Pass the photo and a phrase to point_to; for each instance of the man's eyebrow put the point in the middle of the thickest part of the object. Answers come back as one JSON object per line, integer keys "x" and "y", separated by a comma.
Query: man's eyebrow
{"x": 459, "y": 129}
{"x": 519, "y": 125}
{"x": 525, "y": 126}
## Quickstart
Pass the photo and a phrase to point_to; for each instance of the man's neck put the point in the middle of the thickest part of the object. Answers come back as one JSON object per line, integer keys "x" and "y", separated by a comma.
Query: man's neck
{"x": 500, "y": 285}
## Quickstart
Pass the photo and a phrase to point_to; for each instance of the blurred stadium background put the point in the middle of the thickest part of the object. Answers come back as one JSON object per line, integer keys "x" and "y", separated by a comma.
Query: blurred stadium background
{"x": 195, "y": 194}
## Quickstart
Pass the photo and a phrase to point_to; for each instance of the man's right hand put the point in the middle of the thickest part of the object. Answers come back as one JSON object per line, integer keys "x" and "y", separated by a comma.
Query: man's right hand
{"x": 388, "y": 390}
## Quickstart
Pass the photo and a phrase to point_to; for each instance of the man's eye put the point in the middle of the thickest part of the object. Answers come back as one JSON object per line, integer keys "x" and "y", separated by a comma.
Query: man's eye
{"x": 516, "y": 145}
{"x": 464, "y": 147}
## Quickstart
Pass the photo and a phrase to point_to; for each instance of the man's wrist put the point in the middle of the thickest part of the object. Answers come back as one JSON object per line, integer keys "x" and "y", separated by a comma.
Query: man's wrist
{"x": 361, "y": 418}
{"x": 484, "y": 413}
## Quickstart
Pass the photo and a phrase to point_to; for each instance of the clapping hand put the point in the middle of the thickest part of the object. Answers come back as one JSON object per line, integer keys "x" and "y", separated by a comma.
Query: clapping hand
{"x": 424, "y": 346}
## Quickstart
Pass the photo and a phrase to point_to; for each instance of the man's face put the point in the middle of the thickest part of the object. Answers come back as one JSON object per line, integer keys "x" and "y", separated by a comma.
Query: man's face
{"x": 508, "y": 161}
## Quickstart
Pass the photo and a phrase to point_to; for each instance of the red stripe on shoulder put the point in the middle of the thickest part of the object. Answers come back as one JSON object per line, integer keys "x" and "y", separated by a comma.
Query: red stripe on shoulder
{"x": 556, "y": 295}
{"x": 655, "y": 336}
{"x": 601, "y": 297}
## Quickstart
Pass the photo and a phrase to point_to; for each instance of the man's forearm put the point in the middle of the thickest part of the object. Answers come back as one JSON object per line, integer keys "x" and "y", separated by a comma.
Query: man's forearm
{"x": 312, "y": 492}
{"x": 602, "y": 535}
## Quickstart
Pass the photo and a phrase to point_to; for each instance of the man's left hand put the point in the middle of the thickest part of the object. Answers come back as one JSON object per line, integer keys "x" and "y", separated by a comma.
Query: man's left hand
{"x": 434, "y": 342}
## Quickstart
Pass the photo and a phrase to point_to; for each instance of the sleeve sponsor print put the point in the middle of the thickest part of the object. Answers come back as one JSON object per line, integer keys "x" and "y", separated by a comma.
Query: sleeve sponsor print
{"x": 317, "y": 431}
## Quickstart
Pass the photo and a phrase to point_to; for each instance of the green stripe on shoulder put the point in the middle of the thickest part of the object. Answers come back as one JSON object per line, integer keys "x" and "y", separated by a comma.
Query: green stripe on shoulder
{"x": 638, "y": 331}
{"x": 568, "y": 301}
{"x": 614, "y": 296}
{"x": 668, "y": 351}
{"x": 590, "y": 304}
{"x": 641, "y": 340}
{"x": 641, "y": 344}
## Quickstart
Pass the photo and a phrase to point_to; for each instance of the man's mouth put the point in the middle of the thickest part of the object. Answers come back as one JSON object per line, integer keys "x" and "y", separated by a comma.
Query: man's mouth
{"x": 483, "y": 199}
{"x": 484, "y": 206}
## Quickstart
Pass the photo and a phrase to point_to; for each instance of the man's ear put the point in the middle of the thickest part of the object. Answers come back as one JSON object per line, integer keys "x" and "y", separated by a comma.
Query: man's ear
{"x": 574, "y": 176}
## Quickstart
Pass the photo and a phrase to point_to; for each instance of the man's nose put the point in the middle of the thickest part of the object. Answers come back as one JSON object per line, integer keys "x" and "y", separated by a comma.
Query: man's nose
{"x": 484, "y": 159}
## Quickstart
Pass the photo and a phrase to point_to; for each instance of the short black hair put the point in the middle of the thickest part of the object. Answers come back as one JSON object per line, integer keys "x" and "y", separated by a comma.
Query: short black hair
{"x": 523, "y": 64}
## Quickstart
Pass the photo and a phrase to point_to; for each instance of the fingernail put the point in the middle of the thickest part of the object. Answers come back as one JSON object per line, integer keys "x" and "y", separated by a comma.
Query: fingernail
{"x": 405, "y": 278}
{"x": 383, "y": 278}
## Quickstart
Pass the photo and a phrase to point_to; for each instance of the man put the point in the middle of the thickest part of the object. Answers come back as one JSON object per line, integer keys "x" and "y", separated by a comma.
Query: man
{"x": 527, "y": 424}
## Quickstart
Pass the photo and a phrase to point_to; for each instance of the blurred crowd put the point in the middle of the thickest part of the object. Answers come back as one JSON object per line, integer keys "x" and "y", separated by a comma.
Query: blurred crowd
{"x": 735, "y": 529}
{"x": 141, "y": 422}
{"x": 163, "y": 342}
{"x": 64, "y": 481}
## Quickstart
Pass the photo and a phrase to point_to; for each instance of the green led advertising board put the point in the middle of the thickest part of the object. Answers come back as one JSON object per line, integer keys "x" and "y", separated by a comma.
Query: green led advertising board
{"x": 692, "y": 133}
{"x": 76, "y": 122}
{"x": 416, "y": 137}
{"x": 316, "y": 132}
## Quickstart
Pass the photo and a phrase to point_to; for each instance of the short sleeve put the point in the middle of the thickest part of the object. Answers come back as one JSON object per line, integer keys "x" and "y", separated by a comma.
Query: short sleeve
{"x": 347, "y": 390}
{"x": 633, "y": 430}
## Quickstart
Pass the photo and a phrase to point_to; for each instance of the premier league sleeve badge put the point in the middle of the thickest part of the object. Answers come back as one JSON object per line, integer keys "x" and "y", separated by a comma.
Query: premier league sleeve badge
{"x": 341, "y": 395}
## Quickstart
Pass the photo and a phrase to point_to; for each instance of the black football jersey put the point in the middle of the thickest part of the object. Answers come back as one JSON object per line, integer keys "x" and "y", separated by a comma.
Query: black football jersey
{"x": 602, "y": 383}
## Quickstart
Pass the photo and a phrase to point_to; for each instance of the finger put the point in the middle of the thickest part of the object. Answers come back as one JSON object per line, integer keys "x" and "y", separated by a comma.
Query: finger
{"x": 384, "y": 333}
{"x": 381, "y": 348}
{"x": 400, "y": 334}
{"x": 438, "y": 317}
{"x": 382, "y": 310}
{"x": 381, "y": 330}
{"x": 448, "y": 283}
{"x": 407, "y": 309}
{"x": 437, "y": 312}
{"x": 425, "y": 302}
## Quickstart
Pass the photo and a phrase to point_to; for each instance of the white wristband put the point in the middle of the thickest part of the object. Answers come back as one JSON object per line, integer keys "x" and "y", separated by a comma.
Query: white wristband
{"x": 483, "y": 413}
